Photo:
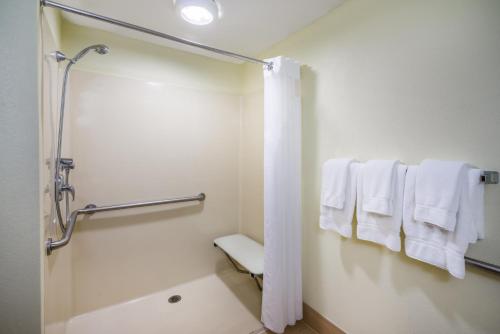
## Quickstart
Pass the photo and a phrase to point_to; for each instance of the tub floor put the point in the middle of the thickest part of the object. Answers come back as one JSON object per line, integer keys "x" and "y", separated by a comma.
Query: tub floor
{"x": 221, "y": 303}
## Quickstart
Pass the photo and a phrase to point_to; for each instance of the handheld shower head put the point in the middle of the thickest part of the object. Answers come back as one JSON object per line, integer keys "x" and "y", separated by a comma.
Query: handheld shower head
{"x": 102, "y": 49}
{"x": 60, "y": 181}
{"x": 98, "y": 48}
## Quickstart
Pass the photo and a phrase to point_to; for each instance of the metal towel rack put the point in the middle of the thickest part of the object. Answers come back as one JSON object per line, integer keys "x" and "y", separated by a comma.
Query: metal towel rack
{"x": 488, "y": 177}
{"x": 92, "y": 208}
{"x": 483, "y": 265}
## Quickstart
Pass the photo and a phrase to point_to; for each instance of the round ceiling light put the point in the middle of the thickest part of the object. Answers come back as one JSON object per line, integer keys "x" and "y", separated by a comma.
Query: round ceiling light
{"x": 198, "y": 12}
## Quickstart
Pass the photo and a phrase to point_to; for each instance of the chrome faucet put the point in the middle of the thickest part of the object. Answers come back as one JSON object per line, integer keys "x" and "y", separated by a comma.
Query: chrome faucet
{"x": 68, "y": 188}
{"x": 62, "y": 183}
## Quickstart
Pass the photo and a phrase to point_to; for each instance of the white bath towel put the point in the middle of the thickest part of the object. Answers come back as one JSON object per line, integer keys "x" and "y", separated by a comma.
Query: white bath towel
{"x": 334, "y": 176}
{"x": 434, "y": 245}
{"x": 378, "y": 186}
{"x": 437, "y": 192}
{"x": 340, "y": 220}
{"x": 382, "y": 229}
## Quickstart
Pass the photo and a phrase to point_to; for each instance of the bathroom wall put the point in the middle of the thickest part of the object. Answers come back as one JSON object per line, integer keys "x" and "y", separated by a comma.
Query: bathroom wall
{"x": 137, "y": 59}
{"x": 389, "y": 79}
{"x": 57, "y": 267}
{"x": 252, "y": 158}
{"x": 20, "y": 232}
{"x": 148, "y": 123}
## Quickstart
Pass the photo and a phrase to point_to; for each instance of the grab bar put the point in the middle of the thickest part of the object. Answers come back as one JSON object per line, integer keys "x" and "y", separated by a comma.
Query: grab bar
{"x": 91, "y": 208}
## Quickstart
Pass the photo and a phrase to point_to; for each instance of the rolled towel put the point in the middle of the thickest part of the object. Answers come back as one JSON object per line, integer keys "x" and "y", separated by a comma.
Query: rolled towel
{"x": 378, "y": 186}
{"x": 340, "y": 220}
{"x": 437, "y": 192}
{"x": 382, "y": 229}
{"x": 335, "y": 174}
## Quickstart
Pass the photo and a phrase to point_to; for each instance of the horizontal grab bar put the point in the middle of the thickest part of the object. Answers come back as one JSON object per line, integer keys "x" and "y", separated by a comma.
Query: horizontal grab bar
{"x": 90, "y": 209}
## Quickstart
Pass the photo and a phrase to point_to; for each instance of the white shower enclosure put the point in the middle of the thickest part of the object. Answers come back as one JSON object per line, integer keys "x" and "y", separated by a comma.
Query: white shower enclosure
{"x": 143, "y": 124}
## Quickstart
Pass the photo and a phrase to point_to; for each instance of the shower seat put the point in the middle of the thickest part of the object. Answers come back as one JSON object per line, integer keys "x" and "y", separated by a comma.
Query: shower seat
{"x": 246, "y": 255}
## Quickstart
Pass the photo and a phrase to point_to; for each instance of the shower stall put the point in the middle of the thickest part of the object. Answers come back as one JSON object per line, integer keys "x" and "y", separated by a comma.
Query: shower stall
{"x": 117, "y": 139}
{"x": 126, "y": 138}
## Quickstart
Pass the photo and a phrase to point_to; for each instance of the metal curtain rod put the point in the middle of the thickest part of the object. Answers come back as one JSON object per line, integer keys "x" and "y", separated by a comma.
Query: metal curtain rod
{"x": 91, "y": 208}
{"x": 49, "y": 3}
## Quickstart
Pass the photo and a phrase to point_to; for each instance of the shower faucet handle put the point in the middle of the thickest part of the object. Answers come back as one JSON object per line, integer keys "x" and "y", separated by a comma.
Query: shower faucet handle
{"x": 69, "y": 188}
{"x": 67, "y": 163}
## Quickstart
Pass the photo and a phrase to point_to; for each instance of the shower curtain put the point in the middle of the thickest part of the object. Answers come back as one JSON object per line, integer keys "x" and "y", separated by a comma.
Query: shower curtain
{"x": 282, "y": 291}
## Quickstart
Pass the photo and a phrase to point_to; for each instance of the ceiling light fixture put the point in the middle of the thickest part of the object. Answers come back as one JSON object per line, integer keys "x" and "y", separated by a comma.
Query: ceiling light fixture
{"x": 198, "y": 12}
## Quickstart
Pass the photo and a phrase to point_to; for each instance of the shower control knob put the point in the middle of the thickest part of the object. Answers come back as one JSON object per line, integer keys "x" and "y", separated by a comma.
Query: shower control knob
{"x": 67, "y": 163}
{"x": 70, "y": 189}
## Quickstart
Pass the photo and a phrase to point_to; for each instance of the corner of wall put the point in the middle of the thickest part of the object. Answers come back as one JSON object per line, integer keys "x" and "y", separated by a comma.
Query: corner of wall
{"x": 251, "y": 155}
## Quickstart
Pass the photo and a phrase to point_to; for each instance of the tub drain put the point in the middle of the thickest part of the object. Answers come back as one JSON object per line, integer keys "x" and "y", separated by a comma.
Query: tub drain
{"x": 174, "y": 299}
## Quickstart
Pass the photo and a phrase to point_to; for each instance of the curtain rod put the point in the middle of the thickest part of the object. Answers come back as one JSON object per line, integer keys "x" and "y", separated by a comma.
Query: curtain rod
{"x": 49, "y": 3}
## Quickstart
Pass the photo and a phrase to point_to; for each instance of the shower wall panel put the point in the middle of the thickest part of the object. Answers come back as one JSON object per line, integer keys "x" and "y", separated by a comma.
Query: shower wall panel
{"x": 143, "y": 140}
{"x": 57, "y": 268}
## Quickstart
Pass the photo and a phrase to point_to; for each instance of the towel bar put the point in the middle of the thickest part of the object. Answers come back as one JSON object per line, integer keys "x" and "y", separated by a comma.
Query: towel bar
{"x": 483, "y": 265}
{"x": 489, "y": 177}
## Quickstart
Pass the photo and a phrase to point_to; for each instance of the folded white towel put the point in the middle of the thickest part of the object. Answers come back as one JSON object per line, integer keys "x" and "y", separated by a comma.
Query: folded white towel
{"x": 378, "y": 186}
{"x": 340, "y": 220}
{"x": 381, "y": 229}
{"x": 334, "y": 177}
{"x": 437, "y": 192}
{"x": 434, "y": 245}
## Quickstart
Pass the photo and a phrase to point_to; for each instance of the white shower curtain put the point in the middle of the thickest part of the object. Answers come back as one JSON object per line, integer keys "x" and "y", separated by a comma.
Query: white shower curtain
{"x": 282, "y": 292}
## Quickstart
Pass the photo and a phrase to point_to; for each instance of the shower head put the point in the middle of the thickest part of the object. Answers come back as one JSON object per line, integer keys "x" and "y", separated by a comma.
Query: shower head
{"x": 102, "y": 49}
{"x": 99, "y": 48}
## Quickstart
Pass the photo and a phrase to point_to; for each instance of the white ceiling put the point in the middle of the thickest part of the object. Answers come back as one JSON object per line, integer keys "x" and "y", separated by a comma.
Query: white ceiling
{"x": 247, "y": 27}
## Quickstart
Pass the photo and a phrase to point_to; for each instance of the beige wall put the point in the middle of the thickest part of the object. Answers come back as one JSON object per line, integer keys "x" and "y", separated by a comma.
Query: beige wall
{"x": 390, "y": 79}
{"x": 140, "y": 60}
{"x": 252, "y": 162}
{"x": 57, "y": 268}
{"x": 149, "y": 123}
